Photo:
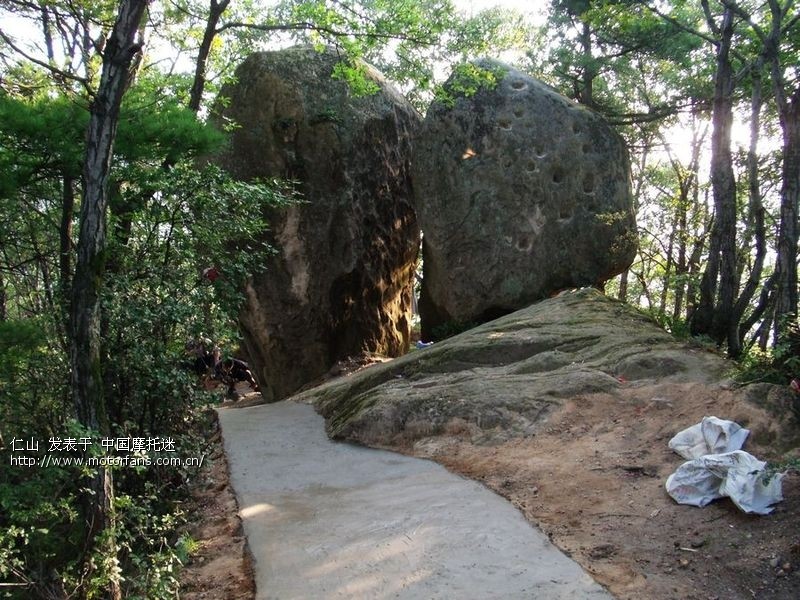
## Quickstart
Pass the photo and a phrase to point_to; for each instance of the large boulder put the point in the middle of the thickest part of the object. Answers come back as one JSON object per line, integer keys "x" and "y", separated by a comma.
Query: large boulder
{"x": 520, "y": 193}
{"x": 341, "y": 282}
{"x": 503, "y": 380}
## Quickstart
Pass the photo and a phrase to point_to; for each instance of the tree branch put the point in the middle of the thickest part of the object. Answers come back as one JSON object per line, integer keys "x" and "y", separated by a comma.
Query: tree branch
{"x": 308, "y": 26}
{"x": 59, "y": 73}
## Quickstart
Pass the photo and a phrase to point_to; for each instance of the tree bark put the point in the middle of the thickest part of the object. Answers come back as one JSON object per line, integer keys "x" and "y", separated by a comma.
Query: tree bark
{"x": 215, "y": 10}
{"x": 65, "y": 237}
{"x": 3, "y": 309}
{"x": 586, "y": 93}
{"x": 623, "y": 286}
{"x": 786, "y": 260}
{"x": 719, "y": 282}
{"x": 736, "y": 333}
{"x": 86, "y": 376}
{"x": 668, "y": 267}
{"x": 789, "y": 116}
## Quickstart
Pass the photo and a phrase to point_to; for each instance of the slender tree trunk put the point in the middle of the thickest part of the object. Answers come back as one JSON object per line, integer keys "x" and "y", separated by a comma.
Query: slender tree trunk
{"x": 687, "y": 196}
{"x": 589, "y": 73}
{"x": 719, "y": 282}
{"x": 47, "y": 32}
{"x": 681, "y": 266}
{"x": 670, "y": 259}
{"x": 215, "y": 10}
{"x": 3, "y": 308}
{"x": 786, "y": 260}
{"x": 694, "y": 270}
{"x": 763, "y": 307}
{"x": 623, "y": 286}
{"x": 736, "y": 333}
{"x": 65, "y": 237}
{"x": 86, "y": 380}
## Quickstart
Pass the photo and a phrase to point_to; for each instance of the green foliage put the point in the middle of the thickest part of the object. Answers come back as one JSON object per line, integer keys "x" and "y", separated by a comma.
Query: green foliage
{"x": 39, "y": 138}
{"x": 355, "y": 74}
{"x": 677, "y": 327}
{"x": 758, "y": 365}
{"x": 781, "y": 466}
{"x": 779, "y": 364}
{"x": 169, "y": 219}
{"x": 160, "y": 129}
{"x": 467, "y": 80}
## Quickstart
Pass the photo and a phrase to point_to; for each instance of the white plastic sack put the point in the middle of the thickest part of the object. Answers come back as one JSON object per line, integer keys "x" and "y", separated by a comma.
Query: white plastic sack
{"x": 738, "y": 475}
{"x": 711, "y": 436}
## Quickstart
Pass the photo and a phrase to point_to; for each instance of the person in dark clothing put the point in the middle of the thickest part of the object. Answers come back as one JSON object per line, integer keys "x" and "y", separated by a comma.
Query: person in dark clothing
{"x": 230, "y": 371}
{"x": 206, "y": 356}
{"x": 208, "y": 365}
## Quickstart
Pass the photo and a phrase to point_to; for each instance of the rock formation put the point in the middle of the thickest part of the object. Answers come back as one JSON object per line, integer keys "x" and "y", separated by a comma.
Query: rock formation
{"x": 503, "y": 379}
{"x": 341, "y": 281}
{"x": 519, "y": 193}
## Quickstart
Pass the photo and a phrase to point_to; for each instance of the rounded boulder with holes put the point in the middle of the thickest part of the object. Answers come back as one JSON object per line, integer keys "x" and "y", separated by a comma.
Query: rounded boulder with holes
{"x": 341, "y": 281}
{"x": 520, "y": 193}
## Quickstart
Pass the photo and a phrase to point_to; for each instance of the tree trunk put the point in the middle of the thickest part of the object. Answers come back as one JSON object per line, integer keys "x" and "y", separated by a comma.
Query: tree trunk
{"x": 736, "y": 333}
{"x": 689, "y": 197}
{"x": 65, "y": 237}
{"x": 3, "y": 309}
{"x": 763, "y": 307}
{"x": 586, "y": 93}
{"x": 670, "y": 259}
{"x": 788, "y": 105}
{"x": 694, "y": 269}
{"x": 786, "y": 260}
{"x": 623, "y": 286}
{"x": 719, "y": 281}
{"x": 215, "y": 10}
{"x": 86, "y": 376}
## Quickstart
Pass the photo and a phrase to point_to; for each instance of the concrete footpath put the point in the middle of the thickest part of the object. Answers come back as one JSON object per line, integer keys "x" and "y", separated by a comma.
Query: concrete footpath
{"x": 333, "y": 520}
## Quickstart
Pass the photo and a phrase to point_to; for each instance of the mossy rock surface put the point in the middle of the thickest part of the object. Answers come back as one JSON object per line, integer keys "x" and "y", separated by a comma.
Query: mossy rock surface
{"x": 503, "y": 378}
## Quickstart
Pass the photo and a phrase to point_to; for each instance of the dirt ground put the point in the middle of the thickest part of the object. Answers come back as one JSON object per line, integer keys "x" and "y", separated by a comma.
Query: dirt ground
{"x": 221, "y": 568}
{"x": 593, "y": 480}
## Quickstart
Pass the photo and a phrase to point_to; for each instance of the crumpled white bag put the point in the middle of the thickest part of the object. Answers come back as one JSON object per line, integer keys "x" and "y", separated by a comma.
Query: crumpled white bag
{"x": 711, "y": 436}
{"x": 738, "y": 475}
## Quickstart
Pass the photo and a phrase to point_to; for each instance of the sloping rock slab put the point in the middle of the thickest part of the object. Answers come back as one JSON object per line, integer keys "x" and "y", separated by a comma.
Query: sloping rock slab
{"x": 501, "y": 379}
